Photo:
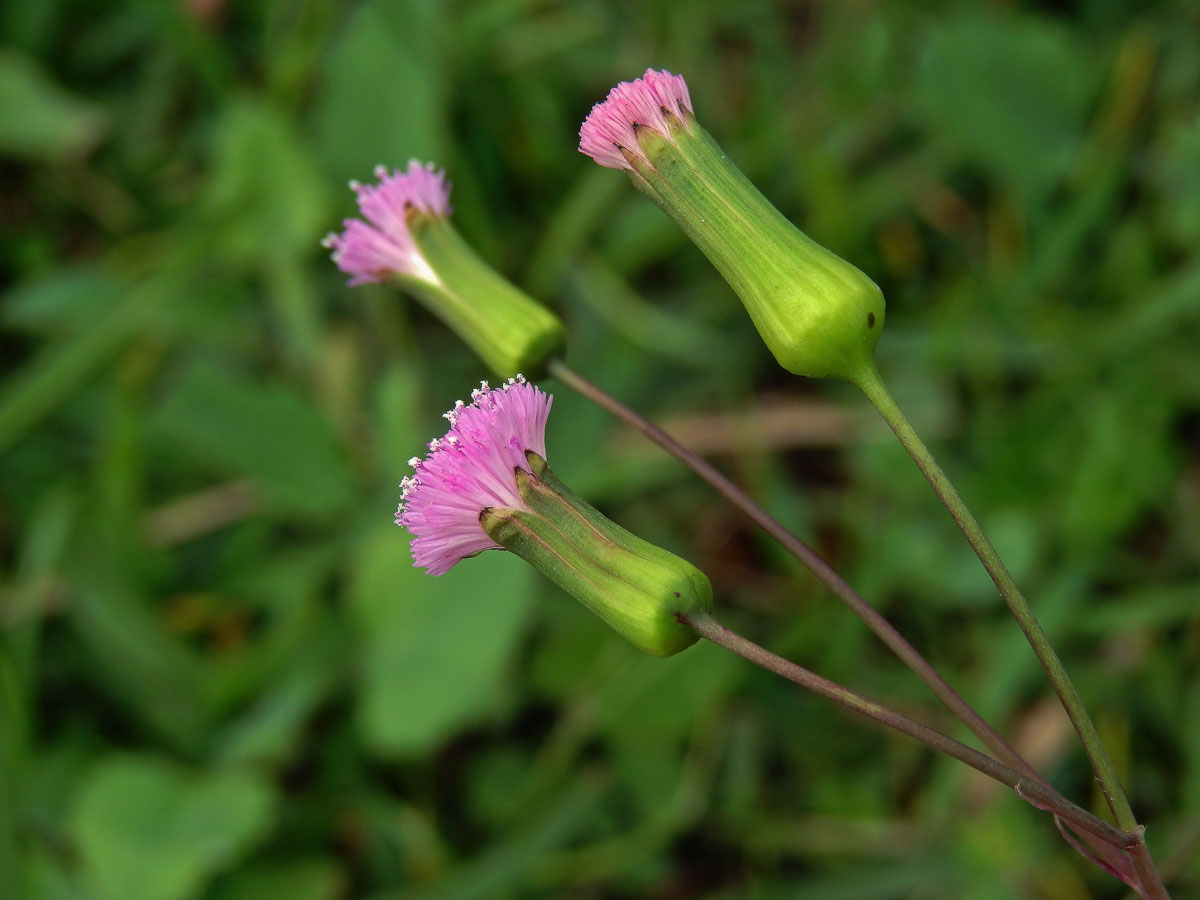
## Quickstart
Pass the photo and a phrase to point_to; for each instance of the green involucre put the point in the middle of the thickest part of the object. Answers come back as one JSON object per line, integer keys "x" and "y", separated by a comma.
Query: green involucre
{"x": 508, "y": 330}
{"x": 638, "y": 589}
{"x": 818, "y": 314}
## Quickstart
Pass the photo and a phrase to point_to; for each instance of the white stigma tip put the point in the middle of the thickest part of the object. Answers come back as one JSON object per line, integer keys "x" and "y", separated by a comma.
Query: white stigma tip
{"x": 451, "y": 415}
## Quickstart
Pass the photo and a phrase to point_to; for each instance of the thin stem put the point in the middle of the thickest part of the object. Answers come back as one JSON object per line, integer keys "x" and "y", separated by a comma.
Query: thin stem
{"x": 883, "y": 629}
{"x": 1033, "y": 792}
{"x": 872, "y": 385}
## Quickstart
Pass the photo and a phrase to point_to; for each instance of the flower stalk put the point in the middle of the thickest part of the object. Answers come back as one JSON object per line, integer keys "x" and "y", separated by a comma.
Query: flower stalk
{"x": 873, "y": 387}
{"x": 1116, "y": 864}
{"x": 874, "y": 620}
{"x": 1032, "y": 791}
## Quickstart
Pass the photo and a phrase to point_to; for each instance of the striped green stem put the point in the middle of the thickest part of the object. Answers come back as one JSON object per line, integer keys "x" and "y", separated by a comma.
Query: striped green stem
{"x": 872, "y": 385}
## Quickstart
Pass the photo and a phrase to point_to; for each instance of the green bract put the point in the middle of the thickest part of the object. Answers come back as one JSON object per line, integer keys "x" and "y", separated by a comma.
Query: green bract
{"x": 637, "y": 588}
{"x": 508, "y": 330}
{"x": 818, "y": 314}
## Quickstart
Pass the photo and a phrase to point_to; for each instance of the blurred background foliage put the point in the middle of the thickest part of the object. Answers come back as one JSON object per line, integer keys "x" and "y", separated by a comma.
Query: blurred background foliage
{"x": 221, "y": 678}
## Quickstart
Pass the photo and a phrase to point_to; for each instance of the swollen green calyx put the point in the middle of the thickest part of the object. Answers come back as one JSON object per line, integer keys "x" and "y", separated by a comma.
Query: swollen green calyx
{"x": 818, "y": 314}
{"x": 507, "y": 329}
{"x": 638, "y": 589}
{"x": 405, "y": 236}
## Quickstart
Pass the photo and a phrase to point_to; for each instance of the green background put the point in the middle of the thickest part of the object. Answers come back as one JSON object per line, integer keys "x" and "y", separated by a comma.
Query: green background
{"x": 221, "y": 678}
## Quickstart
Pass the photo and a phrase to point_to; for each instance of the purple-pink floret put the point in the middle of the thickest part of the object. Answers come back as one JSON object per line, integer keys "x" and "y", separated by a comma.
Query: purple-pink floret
{"x": 383, "y": 245}
{"x": 471, "y": 469}
{"x": 645, "y": 101}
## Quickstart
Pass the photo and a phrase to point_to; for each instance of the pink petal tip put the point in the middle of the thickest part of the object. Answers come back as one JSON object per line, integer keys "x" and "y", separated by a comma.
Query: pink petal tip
{"x": 382, "y": 245}
{"x": 470, "y": 469}
{"x": 647, "y": 101}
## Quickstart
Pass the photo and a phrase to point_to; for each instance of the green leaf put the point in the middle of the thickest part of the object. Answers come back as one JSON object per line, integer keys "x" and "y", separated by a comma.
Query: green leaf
{"x": 38, "y": 119}
{"x": 266, "y": 194}
{"x": 65, "y": 300}
{"x": 270, "y": 731}
{"x": 1179, "y": 181}
{"x": 434, "y": 649}
{"x": 1008, "y": 93}
{"x": 46, "y": 878}
{"x": 652, "y": 704}
{"x": 381, "y": 94}
{"x": 511, "y": 861}
{"x": 14, "y": 755}
{"x": 263, "y": 430}
{"x": 147, "y": 829}
{"x": 297, "y": 879}
{"x": 147, "y": 670}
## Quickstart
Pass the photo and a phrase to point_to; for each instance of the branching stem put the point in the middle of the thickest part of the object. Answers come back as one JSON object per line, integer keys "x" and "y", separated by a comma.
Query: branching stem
{"x": 1034, "y": 792}
{"x": 872, "y": 385}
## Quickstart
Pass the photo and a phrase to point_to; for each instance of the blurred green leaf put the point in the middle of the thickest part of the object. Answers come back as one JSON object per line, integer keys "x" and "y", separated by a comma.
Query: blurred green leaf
{"x": 14, "y": 757}
{"x": 269, "y": 732}
{"x": 1179, "y": 180}
{"x": 295, "y": 879}
{"x": 149, "y": 672}
{"x": 265, "y": 195}
{"x": 1115, "y": 464}
{"x": 39, "y": 120}
{"x": 1007, "y": 92}
{"x": 64, "y": 300}
{"x": 510, "y": 862}
{"x": 1190, "y": 742}
{"x": 48, "y": 879}
{"x": 648, "y": 708}
{"x": 434, "y": 649}
{"x": 267, "y": 431}
{"x": 147, "y": 829}
{"x": 397, "y": 410}
{"x": 381, "y": 96}
{"x": 63, "y": 365}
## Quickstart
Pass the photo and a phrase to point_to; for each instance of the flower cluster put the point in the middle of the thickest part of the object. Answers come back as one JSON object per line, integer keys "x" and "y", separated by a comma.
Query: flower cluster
{"x": 470, "y": 469}
{"x": 610, "y": 130}
{"x": 372, "y": 252}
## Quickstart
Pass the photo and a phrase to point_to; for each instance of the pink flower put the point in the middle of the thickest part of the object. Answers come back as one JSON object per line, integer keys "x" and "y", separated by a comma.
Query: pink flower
{"x": 471, "y": 469}
{"x": 645, "y": 102}
{"x": 372, "y": 252}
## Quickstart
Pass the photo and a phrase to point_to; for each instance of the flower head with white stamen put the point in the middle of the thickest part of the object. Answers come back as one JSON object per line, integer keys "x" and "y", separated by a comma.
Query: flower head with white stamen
{"x": 406, "y": 237}
{"x": 372, "y": 252}
{"x": 471, "y": 469}
{"x": 485, "y": 485}
{"x": 657, "y": 100}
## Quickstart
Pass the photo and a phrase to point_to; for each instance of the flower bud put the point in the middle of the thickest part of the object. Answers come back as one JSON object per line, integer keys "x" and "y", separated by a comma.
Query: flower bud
{"x": 486, "y": 485}
{"x": 818, "y": 314}
{"x": 410, "y": 241}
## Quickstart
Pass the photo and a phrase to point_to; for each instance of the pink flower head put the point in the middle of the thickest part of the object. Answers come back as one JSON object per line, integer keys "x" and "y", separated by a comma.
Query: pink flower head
{"x": 471, "y": 469}
{"x": 372, "y": 252}
{"x": 646, "y": 101}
